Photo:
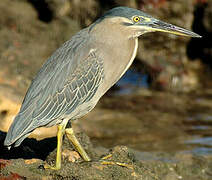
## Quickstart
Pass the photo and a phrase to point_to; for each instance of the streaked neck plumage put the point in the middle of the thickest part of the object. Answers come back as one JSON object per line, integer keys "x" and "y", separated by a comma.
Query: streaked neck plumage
{"x": 117, "y": 48}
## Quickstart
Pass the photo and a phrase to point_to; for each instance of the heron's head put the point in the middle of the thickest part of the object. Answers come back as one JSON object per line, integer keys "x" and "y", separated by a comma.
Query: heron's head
{"x": 139, "y": 22}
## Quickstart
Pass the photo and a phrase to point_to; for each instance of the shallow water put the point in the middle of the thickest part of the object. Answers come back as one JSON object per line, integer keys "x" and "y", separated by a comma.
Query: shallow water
{"x": 194, "y": 134}
{"x": 131, "y": 81}
{"x": 200, "y": 131}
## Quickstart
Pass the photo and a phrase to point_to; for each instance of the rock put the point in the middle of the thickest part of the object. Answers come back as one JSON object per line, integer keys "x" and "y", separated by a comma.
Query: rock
{"x": 13, "y": 176}
{"x": 9, "y": 106}
{"x": 122, "y": 164}
{"x": 32, "y": 161}
{"x": 201, "y": 48}
{"x": 84, "y": 12}
{"x": 27, "y": 42}
{"x": 207, "y": 20}
{"x": 72, "y": 156}
{"x": 4, "y": 163}
{"x": 165, "y": 54}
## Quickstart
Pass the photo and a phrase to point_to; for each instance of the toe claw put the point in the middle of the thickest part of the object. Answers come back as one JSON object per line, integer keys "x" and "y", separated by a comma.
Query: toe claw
{"x": 105, "y": 162}
{"x": 117, "y": 163}
{"x": 107, "y": 157}
{"x": 47, "y": 166}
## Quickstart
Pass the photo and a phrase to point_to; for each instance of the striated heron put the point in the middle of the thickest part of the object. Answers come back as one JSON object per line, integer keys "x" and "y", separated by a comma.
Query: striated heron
{"x": 77, "y": 75}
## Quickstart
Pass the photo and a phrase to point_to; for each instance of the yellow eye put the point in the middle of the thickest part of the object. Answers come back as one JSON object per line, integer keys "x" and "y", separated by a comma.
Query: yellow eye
{"x": 136, "y": 19}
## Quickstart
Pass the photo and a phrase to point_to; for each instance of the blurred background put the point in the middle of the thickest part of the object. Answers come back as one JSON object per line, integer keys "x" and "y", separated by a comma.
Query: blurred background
{"x": 162, "y": 104}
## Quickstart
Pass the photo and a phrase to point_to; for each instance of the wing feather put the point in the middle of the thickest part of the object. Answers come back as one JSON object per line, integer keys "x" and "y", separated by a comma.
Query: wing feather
{"x": 74, "y": 92}
{"x": 66, "y": 80}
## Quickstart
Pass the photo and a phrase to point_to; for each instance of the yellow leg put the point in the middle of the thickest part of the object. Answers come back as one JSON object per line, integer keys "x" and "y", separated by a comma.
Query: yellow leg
{"x": 77, "y": 145}
{"x": 60, "y": 133}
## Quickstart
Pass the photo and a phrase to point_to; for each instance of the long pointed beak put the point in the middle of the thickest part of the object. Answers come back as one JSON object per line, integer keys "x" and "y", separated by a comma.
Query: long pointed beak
{"x": 169, "y": 28}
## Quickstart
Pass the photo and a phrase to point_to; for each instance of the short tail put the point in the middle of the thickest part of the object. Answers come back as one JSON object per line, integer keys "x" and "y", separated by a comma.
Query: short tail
{"x": 21, "y": 127}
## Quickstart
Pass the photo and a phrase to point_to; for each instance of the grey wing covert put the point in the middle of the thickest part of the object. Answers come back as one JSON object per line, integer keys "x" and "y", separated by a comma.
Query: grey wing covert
{"x": 80, "y": 86}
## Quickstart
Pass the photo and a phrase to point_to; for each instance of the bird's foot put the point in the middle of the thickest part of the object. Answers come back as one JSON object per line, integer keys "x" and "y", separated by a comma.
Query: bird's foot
{"x": 107, "y": 157}
{"x": 105, "y": 161}
{"x": 47, "y": 166}
{"x": 117, "y": 163}
{"x": 77, "y": 145}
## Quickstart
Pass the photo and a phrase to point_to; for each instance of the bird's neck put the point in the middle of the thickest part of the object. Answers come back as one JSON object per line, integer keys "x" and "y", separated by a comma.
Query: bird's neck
{"x": 132, "y": 57}
{"x": 117, "y": 51}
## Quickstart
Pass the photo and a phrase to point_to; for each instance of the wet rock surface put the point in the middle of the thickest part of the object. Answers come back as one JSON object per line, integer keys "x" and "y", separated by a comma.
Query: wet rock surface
{"x": 124, "y": 163}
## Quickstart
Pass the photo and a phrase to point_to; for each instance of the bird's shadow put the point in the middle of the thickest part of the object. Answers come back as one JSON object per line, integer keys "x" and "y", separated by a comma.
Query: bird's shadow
{"x": 30, "y": 148}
